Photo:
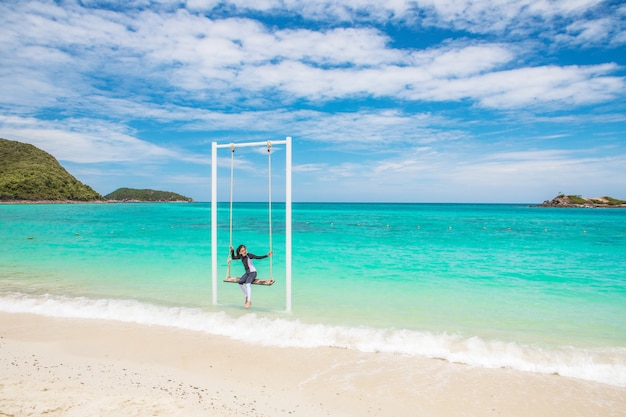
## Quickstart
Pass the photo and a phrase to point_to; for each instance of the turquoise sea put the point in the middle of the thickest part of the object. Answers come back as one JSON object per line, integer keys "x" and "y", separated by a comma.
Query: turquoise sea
{"x": 539, "y": 290}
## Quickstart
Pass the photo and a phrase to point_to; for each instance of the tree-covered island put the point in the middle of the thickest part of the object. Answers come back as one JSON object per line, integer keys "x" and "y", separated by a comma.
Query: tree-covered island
{"x": 31, "y": 175}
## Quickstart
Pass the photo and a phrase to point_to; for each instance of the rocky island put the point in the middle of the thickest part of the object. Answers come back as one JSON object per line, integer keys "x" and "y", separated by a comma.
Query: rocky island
{"x": 576, "y": 201}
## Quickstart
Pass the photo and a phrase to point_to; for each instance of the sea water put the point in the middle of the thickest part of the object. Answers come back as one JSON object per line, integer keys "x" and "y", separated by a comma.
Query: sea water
{"x": 541, "y": 290}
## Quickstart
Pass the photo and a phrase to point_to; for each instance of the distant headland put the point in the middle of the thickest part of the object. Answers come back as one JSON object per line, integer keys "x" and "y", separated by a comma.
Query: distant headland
{"x": 576, "y": 201}
{"x": 134, "y": 195}
{"x": 31, "y": 175}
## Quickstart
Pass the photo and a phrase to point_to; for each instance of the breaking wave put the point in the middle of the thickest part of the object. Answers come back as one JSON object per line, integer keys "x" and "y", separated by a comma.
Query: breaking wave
{"x": 604, "y": 365}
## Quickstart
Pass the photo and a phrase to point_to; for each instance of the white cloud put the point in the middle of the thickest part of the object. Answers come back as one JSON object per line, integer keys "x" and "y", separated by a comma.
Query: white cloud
{"x": 477, "y": 16}
{"x": 308, "y": 168}
{"x": 588, "y": 33}
{"x": 376, "y": 131}
{"x": 77, "y": 52}
{"x": 528, "y": 171}
{"x": 422, "y": 174}
{"x": 82, "y": 141}
{"x": 557, "y": 86}
{"x": 462, "y": 60}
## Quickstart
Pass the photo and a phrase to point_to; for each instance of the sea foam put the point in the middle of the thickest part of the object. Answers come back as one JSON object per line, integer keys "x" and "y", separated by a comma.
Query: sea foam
{"x": 606, "y": 365}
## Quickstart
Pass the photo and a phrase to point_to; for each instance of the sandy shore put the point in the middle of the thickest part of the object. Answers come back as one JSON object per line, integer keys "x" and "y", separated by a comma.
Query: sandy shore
{"x": 60, "y": 367}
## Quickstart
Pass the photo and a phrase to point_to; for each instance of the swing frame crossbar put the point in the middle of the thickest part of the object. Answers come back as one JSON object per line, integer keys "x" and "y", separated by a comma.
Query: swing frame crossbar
{"x": 288, "y": 216}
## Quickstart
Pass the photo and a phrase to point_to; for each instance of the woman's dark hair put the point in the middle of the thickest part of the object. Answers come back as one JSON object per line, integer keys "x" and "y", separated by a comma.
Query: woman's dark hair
{"x": 239, "y": 249}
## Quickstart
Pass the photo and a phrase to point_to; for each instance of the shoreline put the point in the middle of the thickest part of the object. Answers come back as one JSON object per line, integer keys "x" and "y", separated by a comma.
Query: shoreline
{"x": 77, "y": 367}
{"x": 71, "y": 202}
{"x": 28, "y": 202}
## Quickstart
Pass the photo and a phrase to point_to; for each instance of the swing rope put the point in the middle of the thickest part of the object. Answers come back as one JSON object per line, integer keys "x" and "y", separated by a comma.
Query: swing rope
{"x": 232, "y": 178}
{"x": 232, "y": 181}
{"x": 269, "y": 198}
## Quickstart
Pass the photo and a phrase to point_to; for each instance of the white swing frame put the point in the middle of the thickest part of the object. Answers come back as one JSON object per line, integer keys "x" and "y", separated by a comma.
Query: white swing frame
{"x": 215, "y": 146}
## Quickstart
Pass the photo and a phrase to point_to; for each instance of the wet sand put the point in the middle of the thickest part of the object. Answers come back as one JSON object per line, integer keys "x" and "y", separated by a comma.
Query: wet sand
{"x": 79, "y": 368}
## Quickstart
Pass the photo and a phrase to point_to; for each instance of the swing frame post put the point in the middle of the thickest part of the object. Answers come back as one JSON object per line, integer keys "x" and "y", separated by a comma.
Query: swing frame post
{"x": 214, "y": 222}
{"x": 288, "y": 218}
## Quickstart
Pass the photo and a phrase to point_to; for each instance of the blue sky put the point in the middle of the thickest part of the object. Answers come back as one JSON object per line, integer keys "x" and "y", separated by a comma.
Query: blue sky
{"x": 401, "y": 101}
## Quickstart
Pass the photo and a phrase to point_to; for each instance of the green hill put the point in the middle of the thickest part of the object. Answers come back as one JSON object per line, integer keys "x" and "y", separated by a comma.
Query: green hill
{"x": 131, "y": 194}
{"x": 29, "y": 174}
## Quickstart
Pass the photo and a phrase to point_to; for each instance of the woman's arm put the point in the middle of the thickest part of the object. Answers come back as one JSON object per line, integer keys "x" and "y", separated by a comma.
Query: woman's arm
{"x": 253, "y": 256}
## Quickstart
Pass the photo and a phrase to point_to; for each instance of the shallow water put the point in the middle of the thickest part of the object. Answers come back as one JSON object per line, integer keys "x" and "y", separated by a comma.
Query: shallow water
{"x": 491, "y": 285}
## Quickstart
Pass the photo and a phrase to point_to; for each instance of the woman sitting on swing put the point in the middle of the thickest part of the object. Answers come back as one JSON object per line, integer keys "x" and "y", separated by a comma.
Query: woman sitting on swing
{"x": 246, "y": 279}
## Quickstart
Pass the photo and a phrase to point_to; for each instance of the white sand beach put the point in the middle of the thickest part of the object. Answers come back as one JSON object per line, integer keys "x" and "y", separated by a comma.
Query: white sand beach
{"x": 78, "y": 368}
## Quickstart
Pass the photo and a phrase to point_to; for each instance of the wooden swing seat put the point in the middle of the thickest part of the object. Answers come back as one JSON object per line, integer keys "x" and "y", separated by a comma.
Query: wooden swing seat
{"x": 256, "y": 281}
